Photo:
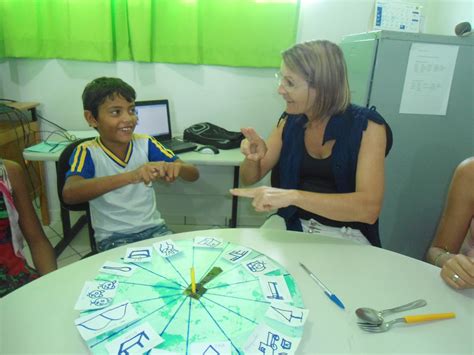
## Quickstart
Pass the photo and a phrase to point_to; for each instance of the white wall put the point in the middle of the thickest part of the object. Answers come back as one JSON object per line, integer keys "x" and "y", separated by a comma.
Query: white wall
{"x": 230, "y": 97}
{"x": 443, "y": 15}
{"x": 225, "y": 96}
{"x": 334, "y": 19}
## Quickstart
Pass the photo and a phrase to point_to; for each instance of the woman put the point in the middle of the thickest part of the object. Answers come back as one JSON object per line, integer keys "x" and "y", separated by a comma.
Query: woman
{"x": 327, "y": 155}
{"x": 453, "y": 246}
{"x": 18, "y": 220}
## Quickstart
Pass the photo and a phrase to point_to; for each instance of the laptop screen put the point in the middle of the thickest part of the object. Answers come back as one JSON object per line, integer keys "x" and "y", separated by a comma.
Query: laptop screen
{"x": 153, "y": 119}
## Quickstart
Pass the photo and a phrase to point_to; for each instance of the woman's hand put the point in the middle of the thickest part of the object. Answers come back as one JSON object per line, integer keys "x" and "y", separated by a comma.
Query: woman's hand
{"x": 458, "y": 272}
{"x": 267, "y": 198}
{"x": 253, "y": 147}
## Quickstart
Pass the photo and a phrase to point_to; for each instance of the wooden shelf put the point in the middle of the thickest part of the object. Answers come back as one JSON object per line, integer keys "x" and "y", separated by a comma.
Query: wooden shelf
{"x": 15, "y": 136}
{"x": 23, "y": 106}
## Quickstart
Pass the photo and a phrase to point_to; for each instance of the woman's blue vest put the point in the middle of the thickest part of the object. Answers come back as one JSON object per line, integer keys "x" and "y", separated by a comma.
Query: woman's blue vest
{"x": 346, "y": 129}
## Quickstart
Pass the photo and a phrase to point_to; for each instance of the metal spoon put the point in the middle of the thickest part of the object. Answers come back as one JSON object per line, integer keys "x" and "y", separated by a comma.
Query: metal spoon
{"x": 372, "y": 316}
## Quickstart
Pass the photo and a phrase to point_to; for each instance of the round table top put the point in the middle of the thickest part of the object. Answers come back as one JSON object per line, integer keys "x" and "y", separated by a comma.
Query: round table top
{"x": 39, "y": 317}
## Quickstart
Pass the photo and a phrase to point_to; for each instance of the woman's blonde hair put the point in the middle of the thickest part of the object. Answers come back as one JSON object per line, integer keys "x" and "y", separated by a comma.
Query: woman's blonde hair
{"x": 322, "y": 65}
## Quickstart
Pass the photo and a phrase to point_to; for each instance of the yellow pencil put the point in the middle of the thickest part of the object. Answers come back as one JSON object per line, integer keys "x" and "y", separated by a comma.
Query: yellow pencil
{"x": 193, "y": 280}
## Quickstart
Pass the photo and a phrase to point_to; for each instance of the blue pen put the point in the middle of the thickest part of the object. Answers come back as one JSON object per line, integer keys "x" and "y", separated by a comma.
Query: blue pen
{"x": 328, "y": 293}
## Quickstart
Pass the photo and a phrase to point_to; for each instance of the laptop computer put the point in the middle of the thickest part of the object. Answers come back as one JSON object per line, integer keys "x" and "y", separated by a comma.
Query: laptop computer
{"x": 154, "y": 120}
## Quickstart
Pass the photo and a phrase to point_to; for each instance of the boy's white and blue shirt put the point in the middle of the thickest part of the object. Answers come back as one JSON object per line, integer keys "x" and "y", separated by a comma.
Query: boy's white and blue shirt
{"x": 131, "y": 208}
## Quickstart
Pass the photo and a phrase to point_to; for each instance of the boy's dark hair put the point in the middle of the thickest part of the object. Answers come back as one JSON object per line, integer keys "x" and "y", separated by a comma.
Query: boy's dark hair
{"x": 98, "y": 90}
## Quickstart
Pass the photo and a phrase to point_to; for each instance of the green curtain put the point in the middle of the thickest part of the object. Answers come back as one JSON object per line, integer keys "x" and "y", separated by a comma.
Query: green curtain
{"x": 219, "y": 32}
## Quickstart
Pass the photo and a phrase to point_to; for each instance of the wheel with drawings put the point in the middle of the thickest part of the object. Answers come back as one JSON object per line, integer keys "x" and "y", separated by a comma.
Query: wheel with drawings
{"x": 241, "y": 302}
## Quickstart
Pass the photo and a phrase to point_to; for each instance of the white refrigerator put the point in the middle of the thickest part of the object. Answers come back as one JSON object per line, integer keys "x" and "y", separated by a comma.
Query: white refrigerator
{"x": 427, "y": 144}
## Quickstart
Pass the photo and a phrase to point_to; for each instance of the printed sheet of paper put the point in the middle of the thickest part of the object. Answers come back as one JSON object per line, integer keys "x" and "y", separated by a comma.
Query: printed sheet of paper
{"x": 265, "y": 340}
{"x": 118, "y": 269}
{"x": 137, "y": 341}
{"x": 274, "y": 288}
{"x": 96, "y": 295}
{"x": 237, "y": 254}
{"x": 259, "y": 266}
{"x": 286, "y": 314}
{"x": 208, "y": 242}
{"x": 221, "y": 348}
{"x": 138, "y": 255}
{"x": 397, "y": 16}
{"x": 166, "y": 248}
{"x": 105, "y": 320}
{"x": 48, "y": 147}
{"x": 428, "y": 79}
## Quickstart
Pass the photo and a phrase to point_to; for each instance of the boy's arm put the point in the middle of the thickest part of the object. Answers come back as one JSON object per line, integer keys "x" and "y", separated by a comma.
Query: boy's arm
{"x": 41, "y": 249}
{"x": 188, "y": 172}
{"x": 170, "y": 171}
{"x": 169, "y": 166}
{"x": 78, "y": 189}
{"x": 82, "y": 185}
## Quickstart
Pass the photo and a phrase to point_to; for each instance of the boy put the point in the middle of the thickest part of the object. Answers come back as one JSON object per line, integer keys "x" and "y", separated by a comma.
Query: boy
{"x": 114, "y": 171}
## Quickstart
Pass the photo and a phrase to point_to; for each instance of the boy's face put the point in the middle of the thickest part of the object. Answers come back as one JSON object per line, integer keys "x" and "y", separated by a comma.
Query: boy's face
{"x": 116, "y": 120}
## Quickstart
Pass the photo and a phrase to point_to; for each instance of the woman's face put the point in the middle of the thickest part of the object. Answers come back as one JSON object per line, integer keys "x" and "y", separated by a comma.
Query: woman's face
{"x": 294, "y": 89}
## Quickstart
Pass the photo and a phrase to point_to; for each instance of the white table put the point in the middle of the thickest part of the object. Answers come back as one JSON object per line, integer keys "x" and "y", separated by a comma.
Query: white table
{"x": 39, "y": 317}
{"x": 226, "y": 157}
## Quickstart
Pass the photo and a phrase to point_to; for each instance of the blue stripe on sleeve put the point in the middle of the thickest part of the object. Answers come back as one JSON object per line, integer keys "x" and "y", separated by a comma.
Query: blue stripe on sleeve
{"x": 81, "y": 163}
{"x": 156, "y": 152}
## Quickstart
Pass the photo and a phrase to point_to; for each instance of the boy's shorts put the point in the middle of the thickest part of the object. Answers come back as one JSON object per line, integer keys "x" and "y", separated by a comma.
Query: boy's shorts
{"x": 119, "y": 239}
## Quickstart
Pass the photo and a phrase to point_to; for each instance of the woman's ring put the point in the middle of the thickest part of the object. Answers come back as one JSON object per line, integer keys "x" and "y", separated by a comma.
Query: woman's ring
{"x": 455, "y": 277}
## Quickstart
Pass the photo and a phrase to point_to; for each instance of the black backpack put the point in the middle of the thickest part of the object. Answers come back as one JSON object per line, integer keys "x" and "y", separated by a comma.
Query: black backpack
{"x": 210, "y": 134}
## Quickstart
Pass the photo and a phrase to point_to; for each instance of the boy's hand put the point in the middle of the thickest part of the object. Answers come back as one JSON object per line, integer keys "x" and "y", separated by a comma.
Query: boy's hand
{"x": 145, "y": 173}
{"x": 156, "y": 170}
{"x": 168, "y": 172}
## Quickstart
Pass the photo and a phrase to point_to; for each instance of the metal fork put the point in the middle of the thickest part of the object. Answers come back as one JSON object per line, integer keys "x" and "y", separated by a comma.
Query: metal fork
{"x": 372, "y": 328}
